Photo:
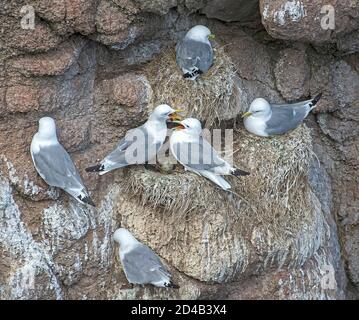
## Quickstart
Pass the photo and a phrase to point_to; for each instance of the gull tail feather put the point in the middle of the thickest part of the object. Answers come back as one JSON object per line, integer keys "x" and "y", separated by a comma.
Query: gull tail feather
{"x": 82, "y": 196}
{"x": 315, "y": 101}
{"x": 96, "y": 168}
{"x": 218, "y": 180}
{"x": 88, "y": 200}
{"x": 238, "y": 172}
{"x": 193, "y": 74}
{"x": 171, "y": 285}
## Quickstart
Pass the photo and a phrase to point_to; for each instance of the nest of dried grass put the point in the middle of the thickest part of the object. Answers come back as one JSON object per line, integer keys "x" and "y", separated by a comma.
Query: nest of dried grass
{"x": 275, "y": 213}
{"x": 180, "y": 193}
{"x": 278, "y": 196}
{"x": 276, "y": 187}
{"x": 211, "y": 97}
{"x": 276, "y": 192}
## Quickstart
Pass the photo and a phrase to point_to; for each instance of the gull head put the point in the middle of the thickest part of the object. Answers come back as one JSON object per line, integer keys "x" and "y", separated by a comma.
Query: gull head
{"x": 123, "y": 237}
{"x": 164, "y": 112}
{"x": 47, "y": 128}
{"x": 199, "y": 33}
{"x": 259, "y": 108}
{"x": 189, "y": 125}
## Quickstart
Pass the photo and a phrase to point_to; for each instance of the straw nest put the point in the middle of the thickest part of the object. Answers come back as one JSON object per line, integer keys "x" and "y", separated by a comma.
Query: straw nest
{"x": 271, "y": 219}
{"x": 279, "y": 202}
{"x": 212, "y": 97}
{"x": 181, "y": 193}
{"x": 274, "y": 220}
{"x": 276, "y": 191}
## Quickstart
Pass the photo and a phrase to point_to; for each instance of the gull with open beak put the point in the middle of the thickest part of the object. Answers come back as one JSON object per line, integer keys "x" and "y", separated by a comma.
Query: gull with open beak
{"x": 265, "y": 119}
{"x": 197, "y": 155}
{"x": 140, "y": 145}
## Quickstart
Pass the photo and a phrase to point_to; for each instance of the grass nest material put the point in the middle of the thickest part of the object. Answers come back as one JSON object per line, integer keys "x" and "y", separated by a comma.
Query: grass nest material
{"x": 275, "y": 188}
{"x": 210, "y": 97}
{"x": 274, "y": 210}
{"x": 278, "y": 167}
{"x": 277, "y": 192}
{"x": 180, "y": 193}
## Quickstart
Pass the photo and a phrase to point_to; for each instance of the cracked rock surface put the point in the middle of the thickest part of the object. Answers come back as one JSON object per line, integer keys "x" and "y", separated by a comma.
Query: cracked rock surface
{"x": 83, "y": 65}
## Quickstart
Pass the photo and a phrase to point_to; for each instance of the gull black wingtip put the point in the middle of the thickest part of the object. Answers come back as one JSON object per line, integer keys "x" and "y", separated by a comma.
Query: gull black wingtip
{"x": 90, "y": 202}
{"x": 317, "y": 98}
{"x": 192, "y": 74}
{"x": 238, "y": 173}
{"x": 172, "y": 285}
{"x": 87, "y": 200}
{"x": 97, "y": 168}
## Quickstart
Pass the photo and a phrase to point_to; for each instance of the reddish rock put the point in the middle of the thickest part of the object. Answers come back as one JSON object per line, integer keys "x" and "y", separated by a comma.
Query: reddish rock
{"x": 54, "y": 62}
{"x": 80, "y": 14}
{"x": 292, "y": 74}
{"x": 22, "y": 99}
{"x": 156, "y": 6}
{"x": 130, "y": 90}
{"x": 110, "y": 19}
{"x": 301, "y": 20}
{"x": 51, "y": 10}
{"x": 41, "y": 39}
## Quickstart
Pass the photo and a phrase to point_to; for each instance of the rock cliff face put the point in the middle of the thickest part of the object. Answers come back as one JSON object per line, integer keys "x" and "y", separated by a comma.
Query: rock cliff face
{"x": 86, "y": 63}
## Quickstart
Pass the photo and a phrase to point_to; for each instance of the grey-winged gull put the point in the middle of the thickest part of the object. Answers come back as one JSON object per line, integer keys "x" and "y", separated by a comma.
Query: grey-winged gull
{"x": 54, "y": 164}
{"x": 140, "y": 144}
{"x": 140, "y": 264}
{"x": 197, "y": 155}
{"x": 194, "y": 53}
{"x": 265, "y": 119}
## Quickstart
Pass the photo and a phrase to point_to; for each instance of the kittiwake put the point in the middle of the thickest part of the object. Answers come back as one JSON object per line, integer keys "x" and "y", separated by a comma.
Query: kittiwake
{"x": 54, "y": 164}
{"x": 197, "y": 155}
{"x": 140, "y": 264}
{"x": 141, "y": 144}
{"x": 194, "y": 53}
{"x": 264, "y": 119}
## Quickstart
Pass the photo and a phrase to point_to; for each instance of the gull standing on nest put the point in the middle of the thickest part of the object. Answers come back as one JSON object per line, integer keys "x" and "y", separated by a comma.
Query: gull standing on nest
{"x": 196, "y": 154}
{"x": 141, "y": 144}
{"x": 265, "y": 119}
{"x": 194, "y": 54}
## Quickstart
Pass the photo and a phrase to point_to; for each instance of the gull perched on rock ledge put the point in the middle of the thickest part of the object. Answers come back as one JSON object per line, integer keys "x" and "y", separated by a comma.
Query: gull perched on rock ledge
{"x": 54, "y": 164}
{"x": 265, "y": 119}
{"x": 140, "y": 264}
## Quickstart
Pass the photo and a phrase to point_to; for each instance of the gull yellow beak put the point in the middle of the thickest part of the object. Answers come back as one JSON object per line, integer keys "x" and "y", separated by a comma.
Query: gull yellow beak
{"x": 179, "y": 125}
{"x": 175, "y": 116}
{"x": 246, "y": 114}
{"x": 211, "y": 37}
